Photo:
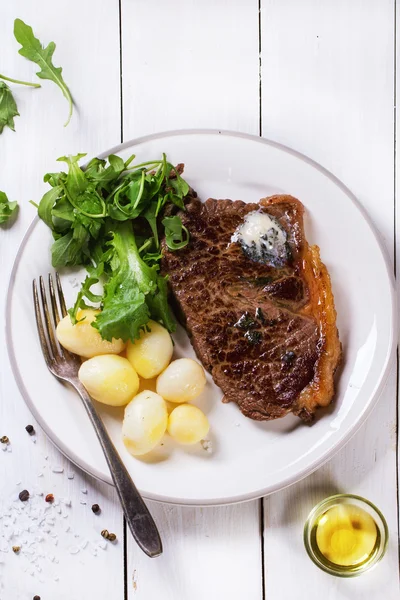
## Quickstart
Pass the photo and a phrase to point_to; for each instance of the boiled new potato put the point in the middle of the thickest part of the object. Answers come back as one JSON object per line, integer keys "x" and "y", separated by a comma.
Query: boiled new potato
{"x": 145, "y": 422}
{"x": 83, "y": 339}
{"x": 187, "y": 424}
{"x": 183, "y": 380}
{"x": 110, "y": 379}
{"x": 150, "y": 354}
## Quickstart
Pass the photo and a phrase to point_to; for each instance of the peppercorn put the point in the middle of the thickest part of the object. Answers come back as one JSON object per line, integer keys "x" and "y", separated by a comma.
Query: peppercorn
{"x": 105, "y": 534}
{"x": 288, "y": 358}
{"x": 49, "y": 498}
{"x": 24, "y": 495}
{"x": 16, "y": 549}
{"x": 36, "y": 597}
{"x": 30, "y": 429}
{"x": 4, "y": 439}
{"x": 112, "y": 537}
{"x": 96, "y": 508}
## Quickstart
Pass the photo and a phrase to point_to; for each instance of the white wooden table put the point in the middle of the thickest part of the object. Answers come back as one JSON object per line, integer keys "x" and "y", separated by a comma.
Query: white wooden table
{"x": 317, "y": 76}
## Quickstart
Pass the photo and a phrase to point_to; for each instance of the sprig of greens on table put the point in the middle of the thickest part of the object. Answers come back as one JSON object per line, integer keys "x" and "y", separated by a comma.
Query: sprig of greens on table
{"x": 32, "y": 49}
{"x": 7, "y": 208}
{"x": 108, "y": 217}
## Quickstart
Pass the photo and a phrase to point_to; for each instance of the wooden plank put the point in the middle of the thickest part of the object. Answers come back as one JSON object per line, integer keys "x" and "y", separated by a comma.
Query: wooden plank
{"x": 60, "y": 557}
{"x": 397, "y": 234}
{"x": 194, "y": 64}
{"x": 327, "y": 91}
{"x": 190, "y": 64}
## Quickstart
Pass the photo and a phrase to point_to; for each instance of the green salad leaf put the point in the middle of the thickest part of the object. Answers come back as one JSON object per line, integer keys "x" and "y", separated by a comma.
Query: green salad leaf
{"x": 32, "y": 49}
{"x": 176, "y": 234}
{"x": 8, "y": 107}
{"x": 7, "y": 208}
{"x": 109, "y": 217}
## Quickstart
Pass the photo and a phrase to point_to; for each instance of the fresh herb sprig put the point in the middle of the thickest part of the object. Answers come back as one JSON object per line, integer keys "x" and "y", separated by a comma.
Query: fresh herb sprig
{"x": 32, "y": 49}
{"x": 8, "y": 106}
{"x": 108, "y": 217}
{"x": 7, "y": 208}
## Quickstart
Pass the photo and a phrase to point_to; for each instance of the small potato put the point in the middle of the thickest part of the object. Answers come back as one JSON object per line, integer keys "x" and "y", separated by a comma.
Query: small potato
{"x": 183, "y": 380}
{"x": 110, "y": 379}
{"x": 187, "y": 424}
{"x": 83, "y": 339}
{"x": 145, "y": 422}
{"x": 150, "y": 354}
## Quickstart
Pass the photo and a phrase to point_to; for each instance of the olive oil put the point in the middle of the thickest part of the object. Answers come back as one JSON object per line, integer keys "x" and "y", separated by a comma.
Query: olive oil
{"x": 346, "y": 535}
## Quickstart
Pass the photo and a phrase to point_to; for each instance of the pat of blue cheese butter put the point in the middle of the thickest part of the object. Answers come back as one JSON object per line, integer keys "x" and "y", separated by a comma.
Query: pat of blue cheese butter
{"x": 262, "y": 239}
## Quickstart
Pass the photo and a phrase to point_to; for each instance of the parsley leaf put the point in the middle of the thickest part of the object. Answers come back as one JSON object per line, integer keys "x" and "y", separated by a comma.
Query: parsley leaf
{"x": 7, "y": 208}
{"x": 33, "y": 50}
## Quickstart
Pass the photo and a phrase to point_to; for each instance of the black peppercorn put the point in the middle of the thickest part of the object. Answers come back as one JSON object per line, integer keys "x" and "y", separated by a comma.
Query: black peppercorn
{"x": 96, "y": 508}
{"x": 36, "y": 597}
{"x": 288, "y": 358}
{"x": 24, "y": 495}
{"x": 30, "y": 429}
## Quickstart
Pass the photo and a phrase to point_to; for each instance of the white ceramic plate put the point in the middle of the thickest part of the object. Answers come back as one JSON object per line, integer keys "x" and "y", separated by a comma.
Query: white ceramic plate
{"x": 249, "y": 459}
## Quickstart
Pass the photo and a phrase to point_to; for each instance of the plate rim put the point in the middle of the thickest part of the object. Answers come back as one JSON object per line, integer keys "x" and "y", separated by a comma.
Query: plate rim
{"x": 317, "y": 462}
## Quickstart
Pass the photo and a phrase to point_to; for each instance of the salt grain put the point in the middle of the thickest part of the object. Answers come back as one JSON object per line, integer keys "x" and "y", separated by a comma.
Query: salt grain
{"x": 84, "y": 491}
{"x": 58, "y": 469}
{"x": 70, "y": 475}
{"x": 207, "y": 446}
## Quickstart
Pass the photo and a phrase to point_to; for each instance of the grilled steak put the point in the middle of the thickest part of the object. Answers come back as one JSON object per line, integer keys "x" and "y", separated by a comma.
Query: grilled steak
{"x": 261, "y": 318}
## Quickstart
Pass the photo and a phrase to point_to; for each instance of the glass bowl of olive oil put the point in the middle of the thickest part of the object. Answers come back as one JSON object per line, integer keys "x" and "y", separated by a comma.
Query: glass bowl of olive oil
{"x": 345, "y": 535}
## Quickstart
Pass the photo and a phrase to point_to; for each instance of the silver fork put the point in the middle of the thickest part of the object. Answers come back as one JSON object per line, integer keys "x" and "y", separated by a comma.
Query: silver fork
{"x": 65, "y": 365}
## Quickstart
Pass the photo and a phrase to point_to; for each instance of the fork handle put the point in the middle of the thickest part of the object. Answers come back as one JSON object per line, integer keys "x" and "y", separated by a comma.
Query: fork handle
{"x": 137, "y": 515}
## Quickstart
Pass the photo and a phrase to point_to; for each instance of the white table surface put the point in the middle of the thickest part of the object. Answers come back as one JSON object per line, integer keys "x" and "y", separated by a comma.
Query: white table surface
{"x": 317, "y": 76}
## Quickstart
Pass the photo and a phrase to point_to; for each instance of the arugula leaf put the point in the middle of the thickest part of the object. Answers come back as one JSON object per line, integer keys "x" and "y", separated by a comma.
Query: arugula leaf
{"x": 71, "y": 248}
{"x": 7, "y": 208}
{"x": 85, "y": 292}
{"x": 92, "y": 212}
{"x": 46, "y": 205}
{"x": 8, "y": 107}
{"x": 174, "y": 230}
{"x": 19, "y": 82}
{"x": 33, "y": 50}
{"x": 124, "y": 311}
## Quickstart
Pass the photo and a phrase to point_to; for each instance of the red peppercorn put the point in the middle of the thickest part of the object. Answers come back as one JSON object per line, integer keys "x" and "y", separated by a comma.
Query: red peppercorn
{"x": 49, "y": 498}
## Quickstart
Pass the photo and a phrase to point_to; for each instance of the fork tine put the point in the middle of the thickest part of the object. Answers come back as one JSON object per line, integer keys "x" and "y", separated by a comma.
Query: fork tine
{"x": 61, "y": 296}
{"x": 48, "y": 323}
{"x": 39, "y": 323}
{"x": 54, "y": 307}
{"x": 56, "y": 314}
